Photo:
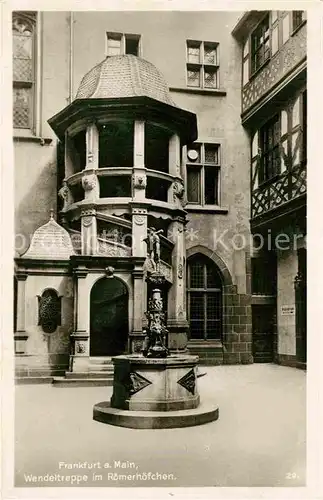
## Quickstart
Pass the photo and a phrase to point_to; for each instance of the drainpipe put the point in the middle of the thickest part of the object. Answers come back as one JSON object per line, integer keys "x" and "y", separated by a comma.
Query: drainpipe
{"x": 71, "y": 60}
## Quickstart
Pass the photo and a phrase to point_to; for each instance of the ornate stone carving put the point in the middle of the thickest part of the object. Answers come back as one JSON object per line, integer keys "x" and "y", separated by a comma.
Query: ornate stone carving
{"x": 139, "y": 219}
{"x": 109, "y": 272}
{"x": 154, "y": 345}
{"x": 166, "y": 270}
{"x": 178, "y": 190}
{"x": 188, "y": 381}
{"x": 88, "y": 211}
{"x": 110, "y": 249}
{"x": 64, "y": 192}
{"x": 139, "y": 181}
{"x": 90, "y": 157}
{"x": 180, "y": 271}
{"x": 89, "y": 182}
{"x": 137, "y": 346}
{"x": 153, "y": 247}
{"x": 139, "y": 216}
{"x": 87, "y": 220}
{"x": 49, "y": 310}
{"x": 79, "y": 347}
{"x": 137, "y": 382}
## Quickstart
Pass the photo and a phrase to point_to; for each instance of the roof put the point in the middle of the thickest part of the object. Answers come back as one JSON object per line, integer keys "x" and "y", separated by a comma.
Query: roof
{"x": 124, "y": 76}
{"x": 50, "y": 241}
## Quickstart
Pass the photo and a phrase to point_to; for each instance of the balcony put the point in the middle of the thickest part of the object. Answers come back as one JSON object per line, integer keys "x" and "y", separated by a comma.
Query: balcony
{"x": 282, "y": 66}
{"x": 278, "y": 194}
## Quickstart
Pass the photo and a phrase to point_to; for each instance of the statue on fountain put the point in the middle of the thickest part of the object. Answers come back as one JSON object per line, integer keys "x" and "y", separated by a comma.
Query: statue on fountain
{"x": 153, "y": 250}
{"x": 155, "y": 334}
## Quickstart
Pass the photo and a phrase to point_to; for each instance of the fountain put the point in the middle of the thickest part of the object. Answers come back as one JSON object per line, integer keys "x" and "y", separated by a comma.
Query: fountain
{"x": 155, "y": 389}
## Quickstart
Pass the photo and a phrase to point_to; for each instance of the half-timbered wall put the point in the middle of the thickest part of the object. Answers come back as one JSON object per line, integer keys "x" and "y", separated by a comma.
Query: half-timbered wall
{"x": 289, "y": 181}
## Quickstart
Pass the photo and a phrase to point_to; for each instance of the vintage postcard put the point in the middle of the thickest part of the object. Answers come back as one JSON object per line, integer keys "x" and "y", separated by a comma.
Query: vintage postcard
{"x": 156, "y": 281}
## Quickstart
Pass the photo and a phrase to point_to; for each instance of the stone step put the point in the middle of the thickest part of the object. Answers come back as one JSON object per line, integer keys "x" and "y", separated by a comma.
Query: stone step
{"x": 87, "y": 375}
{"x": 81, "y": 382}
{"x": 33, "y": 380}
{"x": 101, "y": 368}
{"x": 100, "y": 360}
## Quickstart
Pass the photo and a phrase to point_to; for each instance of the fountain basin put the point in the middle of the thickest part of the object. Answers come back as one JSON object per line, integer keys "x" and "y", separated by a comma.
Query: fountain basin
{"x": 153, "y": 393}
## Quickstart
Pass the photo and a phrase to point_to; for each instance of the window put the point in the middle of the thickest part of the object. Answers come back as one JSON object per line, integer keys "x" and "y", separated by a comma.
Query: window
{"x": 121, "y": 44}
{"x": 202, "y": 64}
{"x": 203, "y": 174}
{"x": 23, "y": 42}
{"x": 299, "y": 16}
{"x": 270, "y": 150}
{"x": 280, "y": 145}
{"x": 260, "y": 48}
{"x": 204, "y": 299}
{"x": 267, "y": 39}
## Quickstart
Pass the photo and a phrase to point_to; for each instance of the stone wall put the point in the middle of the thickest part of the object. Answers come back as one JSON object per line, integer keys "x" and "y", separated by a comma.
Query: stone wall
{"x": 47, "y": 352}
{"x": 286, "y": 271}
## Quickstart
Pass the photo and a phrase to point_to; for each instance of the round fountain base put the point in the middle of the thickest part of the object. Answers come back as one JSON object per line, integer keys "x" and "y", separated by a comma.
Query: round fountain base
{"x": 102, "y": 412}
{"x": 151, "y": 393}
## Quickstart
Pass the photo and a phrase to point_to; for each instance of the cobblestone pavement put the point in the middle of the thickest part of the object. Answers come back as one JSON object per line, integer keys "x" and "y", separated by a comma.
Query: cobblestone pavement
{"x": 259, "y": 439}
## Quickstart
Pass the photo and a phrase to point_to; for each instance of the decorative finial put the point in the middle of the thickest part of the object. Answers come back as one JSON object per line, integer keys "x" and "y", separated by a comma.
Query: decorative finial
{"x": 51, "y": 214}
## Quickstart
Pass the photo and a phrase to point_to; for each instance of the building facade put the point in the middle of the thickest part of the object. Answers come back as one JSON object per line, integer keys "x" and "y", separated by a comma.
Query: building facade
{"x": 274, "y": 113}
{"x": 139, "y": 126}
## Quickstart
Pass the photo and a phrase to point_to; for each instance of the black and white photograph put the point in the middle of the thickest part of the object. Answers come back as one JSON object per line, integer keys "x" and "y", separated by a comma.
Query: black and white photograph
{"x": 159, "y": 269}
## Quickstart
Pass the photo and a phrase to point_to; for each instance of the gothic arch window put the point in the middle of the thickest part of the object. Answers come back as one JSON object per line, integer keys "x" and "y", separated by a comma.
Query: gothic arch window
{"x": 204, "y": 297}
{"x": 24, "y": 51}
{"x": 49, "y": 310}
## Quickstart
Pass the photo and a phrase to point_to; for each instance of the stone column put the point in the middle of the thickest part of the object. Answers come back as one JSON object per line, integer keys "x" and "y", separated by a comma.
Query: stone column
{"x": 174, "y": 155}
{"x": 176, "y": 190}
{"x": 139, "y": 231}
{"x": 92, "y": 147}
{"x": 20, "y": 335}
{"x": 89, "y": 232}
{"x": 137, "y": 336}
{"x": 68, "y": 161}
{"x": 177, "y": 321}
{"x": 80, "y": 338}
{"x": 65, "y": 192}
{"x": 139, "y": 178}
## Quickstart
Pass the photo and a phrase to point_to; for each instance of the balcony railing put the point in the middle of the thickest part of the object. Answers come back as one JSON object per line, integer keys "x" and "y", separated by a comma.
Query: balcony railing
{"x": 289, "y": 185}
{"x": 282, "y": 63}
{"x": 115, "y": 182}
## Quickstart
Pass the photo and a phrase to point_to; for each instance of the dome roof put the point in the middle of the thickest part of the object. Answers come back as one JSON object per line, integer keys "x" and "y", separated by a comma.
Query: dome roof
{"x": 50, "y": 241}
{"x": 124, "y": 76}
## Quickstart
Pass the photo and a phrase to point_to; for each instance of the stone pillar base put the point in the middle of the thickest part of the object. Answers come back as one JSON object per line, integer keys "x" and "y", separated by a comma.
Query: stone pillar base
{"x": 177, "y": 336}
{"x": 79, "y": 364}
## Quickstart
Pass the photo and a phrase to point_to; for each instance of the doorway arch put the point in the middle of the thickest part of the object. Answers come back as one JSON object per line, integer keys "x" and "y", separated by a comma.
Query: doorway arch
{"x": 108, "y": 317}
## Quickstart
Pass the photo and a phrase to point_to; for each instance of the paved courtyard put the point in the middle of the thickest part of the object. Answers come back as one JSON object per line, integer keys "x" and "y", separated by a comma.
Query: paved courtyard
{"x": 259, "y": 439}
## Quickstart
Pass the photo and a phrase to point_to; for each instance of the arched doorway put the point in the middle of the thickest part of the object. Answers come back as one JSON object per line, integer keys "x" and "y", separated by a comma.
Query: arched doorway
{"x": 108, "y": 317}
{"x": 204, "y": 299}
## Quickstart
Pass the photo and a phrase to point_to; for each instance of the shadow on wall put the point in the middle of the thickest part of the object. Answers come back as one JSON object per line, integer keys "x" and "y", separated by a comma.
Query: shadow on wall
{"x": 33, "y": 210}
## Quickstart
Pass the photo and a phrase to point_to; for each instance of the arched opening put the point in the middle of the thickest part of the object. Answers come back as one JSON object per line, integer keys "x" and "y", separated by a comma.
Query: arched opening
{"x": 108, "y": 317}
{"x": 204, "y": 299}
